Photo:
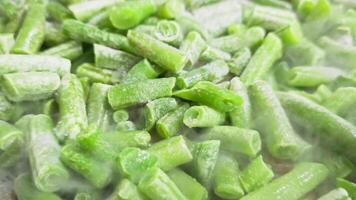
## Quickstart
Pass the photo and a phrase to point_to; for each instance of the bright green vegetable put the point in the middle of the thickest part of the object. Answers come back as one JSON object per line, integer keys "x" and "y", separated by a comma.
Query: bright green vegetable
{"x": 162, "y": 54}
{"x": 303, "y": 178}
{"x": 209, "y": 94}
{"x": 143, "y": 70}
{"x": 171, "y": 9}
{"x": 202, "y": 116}
{"x": 156, "y": 109}
{"x": 171, "y": 152}
{"x": 338, "y": 193}
{"x": 32, "y": 32}
{"x": 235, "y": 140}
{"x": 171, "y": 123}
{"x": 58, "y": 11}
{"x": 169, "y": 32}
{"x": 126, "y": 190}
{"x": 6, "y": 42}
{"x": 86, "y": 9}
{"x": 193, "y": 46}
{"x": 349, "y": 186}
{"x": 120, "y": 116}
{"x": 211, "y": 54}
{"x": 11, "y": 142}
{"x": 30, "y": 86}
{"x": 48, "y": 173}
{"x": 128, "y": 94}
{"x": 70, "y": 50}
{"x": 239, "y": 61}
{"x": 96, "y": 74}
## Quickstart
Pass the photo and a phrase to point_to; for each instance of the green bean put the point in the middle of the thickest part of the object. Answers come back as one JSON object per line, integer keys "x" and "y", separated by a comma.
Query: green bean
{"x": 156, "y": 109}
{"x": 335, "y": 132}
{"x": 30, "y": 86}
{"x": 48, "y": 172}
{"x": 32, "y": 32}
{"x": 211, "y": 95}
{"x": 217, "y": 17}
{"x": 236, "y": 28}
{"x": 70, "y": 50}
{"x": 163, "y": 55}
{"x": 211, "y": 54}
{"x": 58, "y": 11}
{"x": 191, "y": 188}
{"x": 256, "y": 175}
{"x": 128, "y": 94}
{"x": 193, "y": 46}
{"x": 232, "y": 43}
{"x": 86, "y": 196}
{"x": 109, "y": 58}
{"x": 226, "y": 177}
{"x": 205, "y": 156}
{"x": 303, "y": 178}
{"x": 338, "y": 193}
{"x": 133, "y": 163}
{"x": 272, "y": 121}
{"x": 349, "y": 186}
{"x": 304, "y": 53}
{"x": 6, "y": 42}
{"x": 235, "y": 140}
{"x": 312, "y": 76}
{"x": 240, "y": 117}
{"x": 95, "y": 171}
{"x": 54, "y": 34}
{"x": 202, "y": 116}
{"x": 26, "y": 190}
{"x": 90, "y": 34}
{"x": 95, "y": 74}
{"x": 11, "y": 142}
{"x": 72, "y": 112}
{"x": 126, "y": 126}
{"x": 169, "y": 32}
{"x": 87, "y": 9}
{"x": 120, "y": 116}
{"x": 143, "y": 70}
{"x": 171, "y": 123}
{"x": 157, "y": 185}
{"x": 171, "y": 9}
{"x": 126, "y": 190}
{"x": 171, "y": 152}
{"x": 312, "y": 10}
{"x": 239, "y": 61}
{"x": 8, "y": 111}
{"x": 101, "y": 19}
{"x": 129, "y": 138}
{"x": 263, "y": 59}
{"x": 275, "y": 3}
{"x": 192, "y": 4}
{"x": 188, "y": 23}
{"x": 214, "y": 71}
{"x": 341, "y": 101}
{"x": 32, "y": 63}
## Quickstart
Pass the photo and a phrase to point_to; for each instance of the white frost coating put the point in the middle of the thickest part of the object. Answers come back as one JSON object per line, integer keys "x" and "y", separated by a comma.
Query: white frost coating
{"x": 84, "y": 10}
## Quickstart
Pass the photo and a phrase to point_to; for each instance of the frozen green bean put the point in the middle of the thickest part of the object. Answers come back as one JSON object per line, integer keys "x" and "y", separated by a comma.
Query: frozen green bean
{"x": 239, "y": 61}
{"x": 69, "y": 50}
{"x": 156, "y": 109}
{"x": 169, "y": 32}
{"x": 203, "y": 116}
{"x": 126, "y": 190}
{"x": 143, "y": 70}
{"x": 6, "y": 42}
{"x": 96, "y": 74}
{"x": 193, "y": 46}
{"x": 87, "y": 9}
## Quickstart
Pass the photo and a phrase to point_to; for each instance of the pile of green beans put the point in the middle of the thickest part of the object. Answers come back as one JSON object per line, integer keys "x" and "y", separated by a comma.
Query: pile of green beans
{"x": 177, "y": 100}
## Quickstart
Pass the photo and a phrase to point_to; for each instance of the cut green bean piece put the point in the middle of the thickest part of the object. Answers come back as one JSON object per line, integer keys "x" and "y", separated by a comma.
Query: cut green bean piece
{"x": 171, "y": 152}
{"x": 26, "y": 190}
{"x": 98, "y": 107}
{"x": 126, "y": 126}
{"x": 156, "y": 109}
{"x": 8, "y": 111}
{"x": 32, "y": 32}
{"x": 95, "y": 74}
{"x": 162, "y": 54}
{"x": 272, "y": 122}
{"x": 129, "y": 138}
{"x": 48, "y": 172}
{"x": 11, "y": 144}
{"x": 193, "y": 46}
{"x": 6, "y": 42}
{"x": 190, "y": 187}
{"x": 240, "y": 117}
{"x": 86, "y": 196}
{"x": 134, "y": 163}
{"x": 87, "y": 9}
{"x": 169, "y": 32}
{"x": 29, "y": 86}
{"x": 338, "y": 193}
{"x": 188, "y": 23}
{"x": 205, "y": 156}
{"x": 211, "y": 54}
{"x": 335, "y": 132}
{"x": 128, "y": 94}
{"x": 126, "y": 190}
{"x": 171, "y": 9}
{"x": 303, "y": 178}
{"x": 256, "y": 175}
{"x": 312, "y": 10}
{"x": 193, "y": 4}
{"x": 109, "y": 58}
{"x": 128, "y": 14}
{"x": 232, "y": 43}
{"x": 275, "y": 3}
{"x": 203, "y": 116}
{"x": 120, "y": 116}
{"x": 95, "y": 171}
{"x": 239, "y": 61}
{"x": 58, "y": 11}
{"x": 304, "y": 53}
{"x": 72, "y": 111}
{"x": 209, "y": 94}
{"x": 349, "y": 186}
{"x": 263, "y": 59}
{"x": 171, "y": 123}
{"x": 70, "y": 50}
{"x": 235, "y": 140}
{"x": 142, "y": 70}
{"x": 90, "y": 34}
{"x": 158, "y": 186}
{"x": 32, "y": 63}
{"x": 308, "y": 76}
{"x": 341, "y": 101}
{"x": 54, "y": 34}
{"x": 226, "y": 177}
{"x": 214, "y": 71}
